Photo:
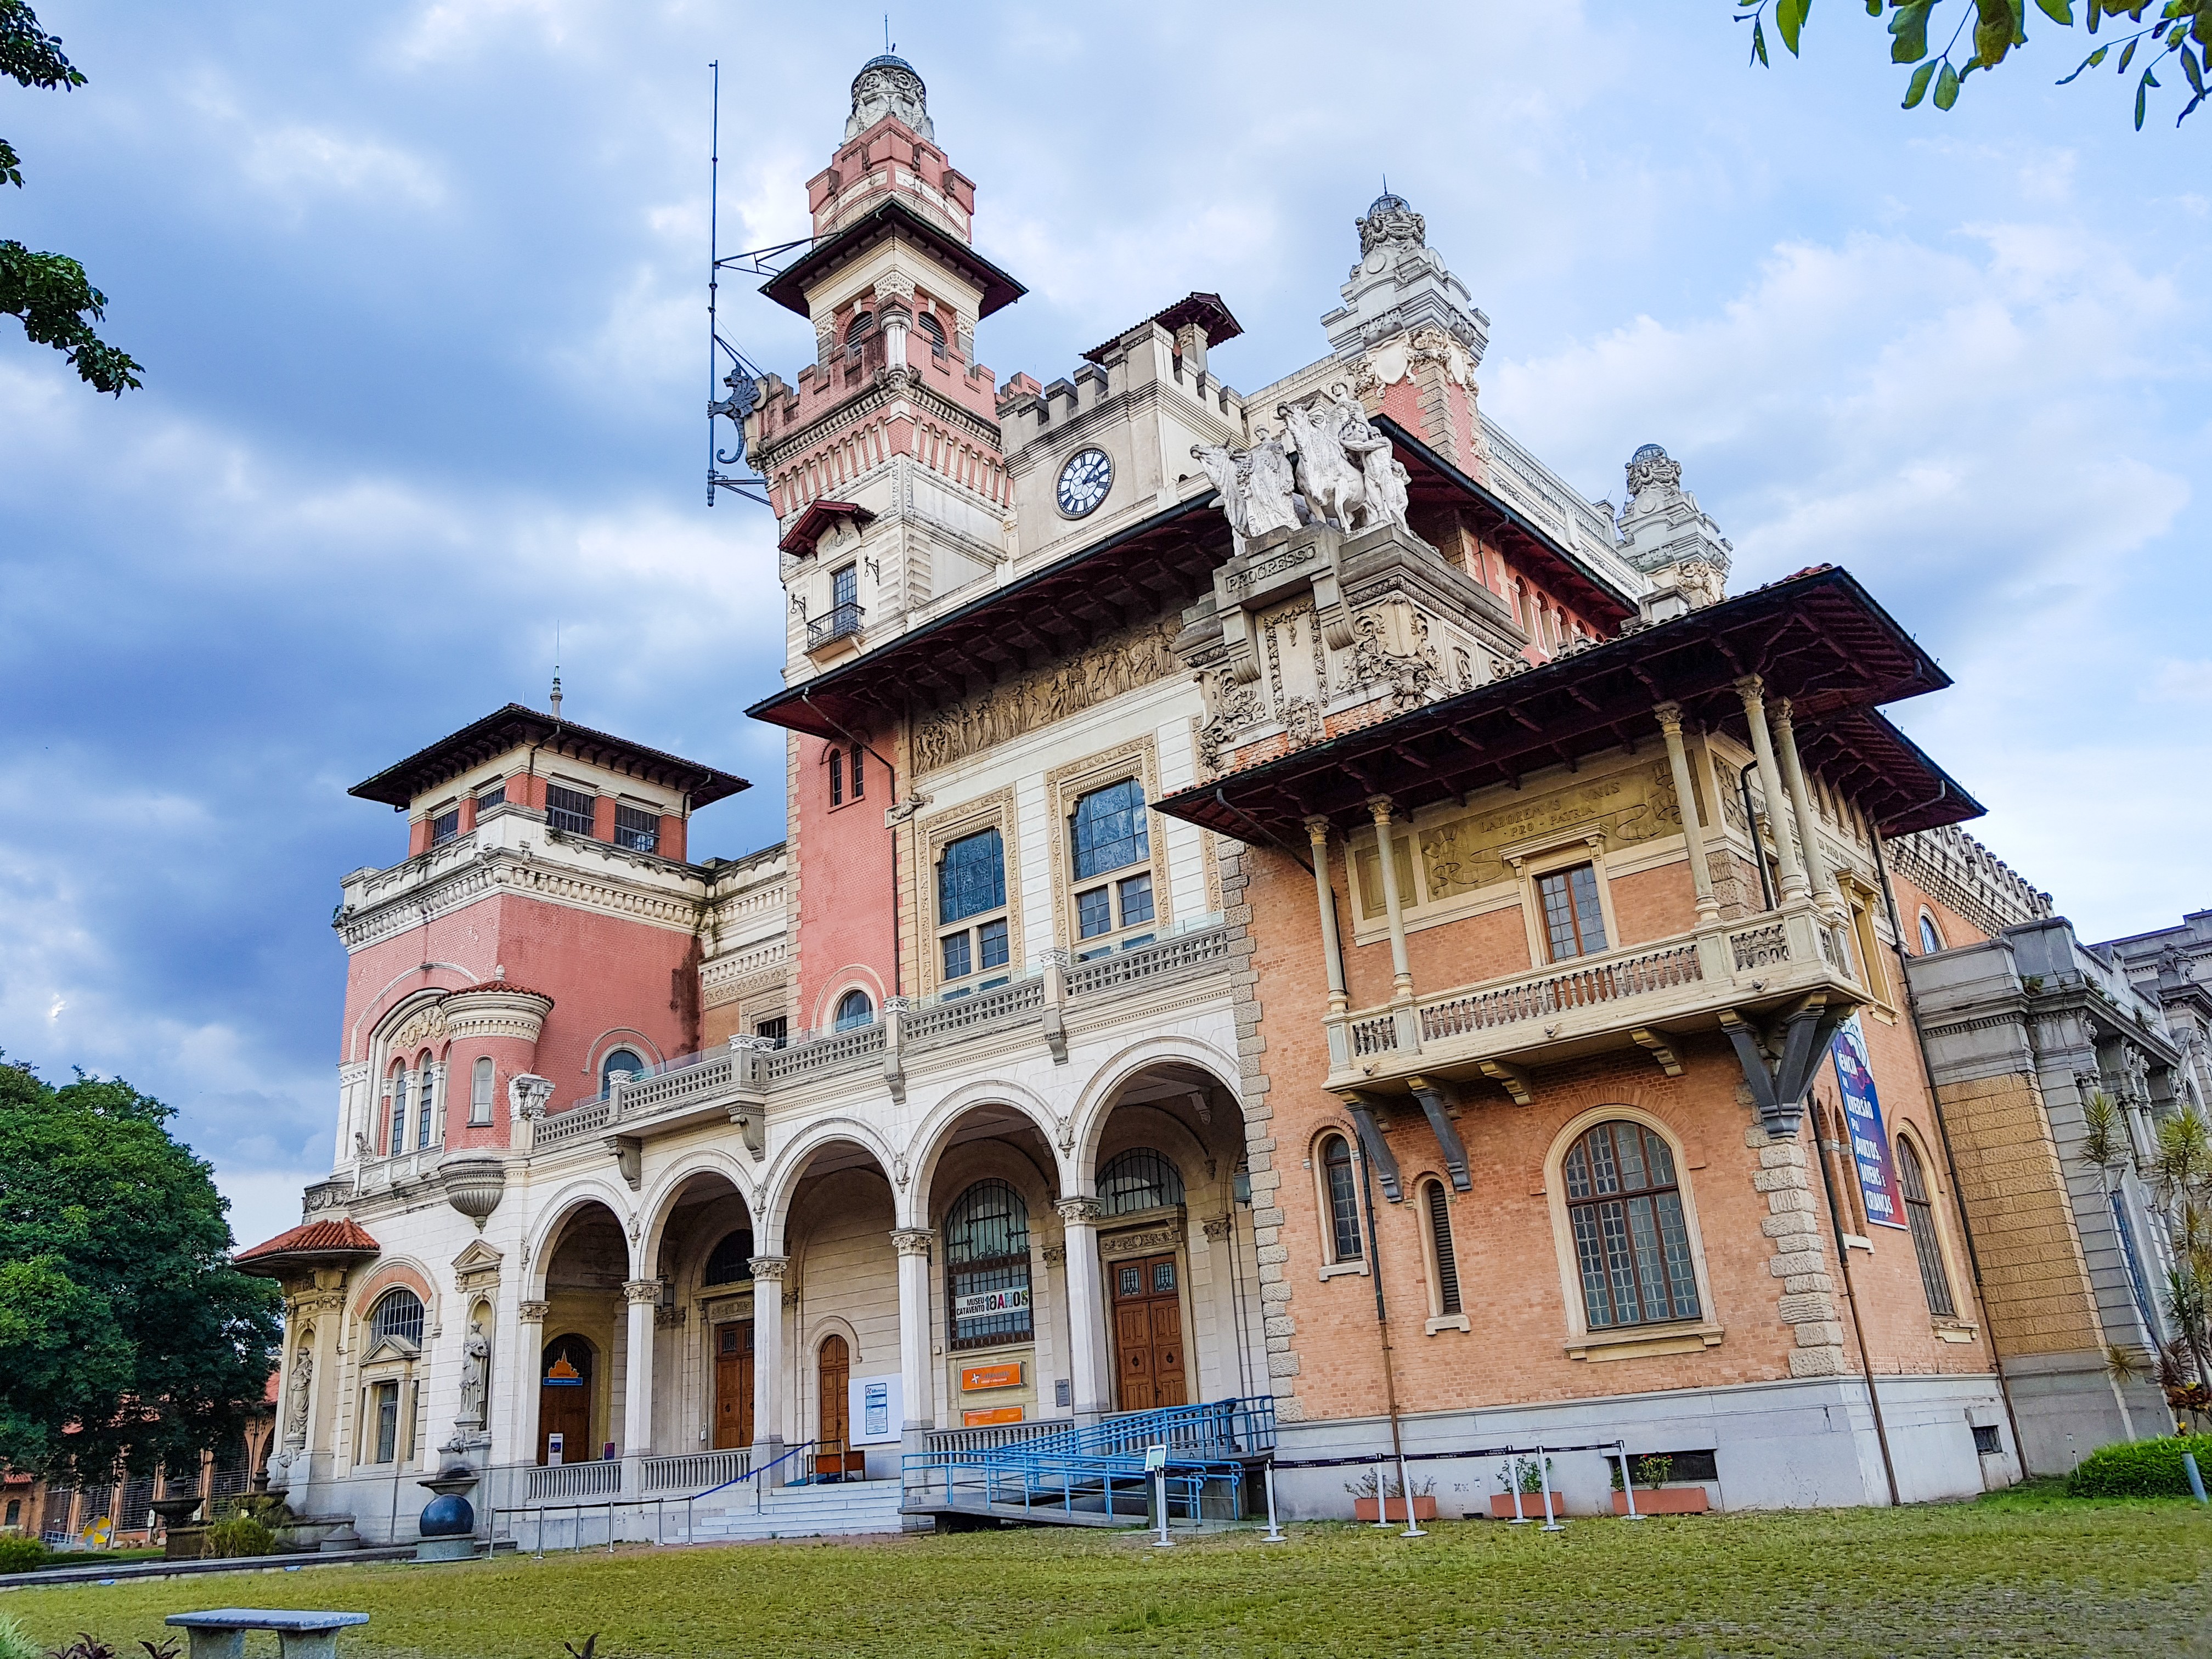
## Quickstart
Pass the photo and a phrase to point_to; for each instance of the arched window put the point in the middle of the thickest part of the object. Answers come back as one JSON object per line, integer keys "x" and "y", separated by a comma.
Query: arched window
{"x": 1444, "y": 1262}
{"x": 1920, "y": 1216}
{"x": 932, "y": 331}
{"x": 424, "y": 1102}
{"x": 480, "y": 1082}
{"x": 618, "y": 1059}
{"x": 1630, "y": 1242}
{"x": 398, "y": 1131}
{"x": 857, "y": 329}
{"x": 854, "y": 1010}
{"x": 1932, "y": 941}
{"x": 986, "y": 1266}
{"x": 731, "y": 1262}
{"x": 397, "y": 1312}
{"x": 1139, "y": 1179}
{"x": 1342, "y": 1192}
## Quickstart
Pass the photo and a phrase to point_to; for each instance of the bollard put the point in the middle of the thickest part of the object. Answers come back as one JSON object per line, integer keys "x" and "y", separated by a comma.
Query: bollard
{"x": 2196, "y": 1478}
{"x": 1274, "y": 1532}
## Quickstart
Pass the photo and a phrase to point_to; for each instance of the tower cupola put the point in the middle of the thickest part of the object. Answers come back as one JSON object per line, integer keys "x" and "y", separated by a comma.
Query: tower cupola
{"x": 888, "y": 86}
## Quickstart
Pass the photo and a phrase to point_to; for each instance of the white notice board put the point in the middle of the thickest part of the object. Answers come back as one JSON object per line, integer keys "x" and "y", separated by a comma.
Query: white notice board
{"x": 877, "y": 1410}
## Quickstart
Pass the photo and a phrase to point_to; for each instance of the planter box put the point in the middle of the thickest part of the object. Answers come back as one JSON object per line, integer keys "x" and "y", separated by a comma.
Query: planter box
{"x": 1370, "y": 1508}
{"x": 1532, "y": 1506}
{"x": 1667, "y": 1500}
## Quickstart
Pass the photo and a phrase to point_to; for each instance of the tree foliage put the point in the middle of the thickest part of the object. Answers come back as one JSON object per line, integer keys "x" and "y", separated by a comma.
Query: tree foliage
{"x": 127, "y": 1339}
{"x": 50, "y": 291}
{"x": 2177, "y": 36}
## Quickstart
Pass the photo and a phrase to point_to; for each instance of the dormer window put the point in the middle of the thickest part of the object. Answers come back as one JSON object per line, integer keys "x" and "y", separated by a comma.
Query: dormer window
{"x": 445, "y": 826}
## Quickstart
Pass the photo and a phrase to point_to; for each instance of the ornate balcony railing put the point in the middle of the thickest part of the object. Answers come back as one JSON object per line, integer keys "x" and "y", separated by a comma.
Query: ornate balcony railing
{"x": 696, "y": 1472}
{"x": 601, "y": 1478}
{"x": 839, "y": 621}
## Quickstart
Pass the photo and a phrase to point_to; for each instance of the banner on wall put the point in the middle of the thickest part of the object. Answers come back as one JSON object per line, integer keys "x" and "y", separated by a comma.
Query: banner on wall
{"x": 1870, "y": 1153}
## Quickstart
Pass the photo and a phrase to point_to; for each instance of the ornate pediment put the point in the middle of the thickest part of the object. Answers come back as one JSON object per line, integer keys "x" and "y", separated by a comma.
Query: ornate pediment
{"x": 426, "y": 1024}
{"x": 477, "y": 1266}
{"x": 392, "y": 1350}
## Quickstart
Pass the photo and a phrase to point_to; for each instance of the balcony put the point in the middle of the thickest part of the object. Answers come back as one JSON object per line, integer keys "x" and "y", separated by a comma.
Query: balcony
{"x": 839, "y": 622}
{"x": 1640, "y": 995}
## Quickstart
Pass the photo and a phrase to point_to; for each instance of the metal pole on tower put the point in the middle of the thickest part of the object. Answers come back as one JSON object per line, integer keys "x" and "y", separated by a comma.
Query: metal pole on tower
{"x": 713, "y": 256}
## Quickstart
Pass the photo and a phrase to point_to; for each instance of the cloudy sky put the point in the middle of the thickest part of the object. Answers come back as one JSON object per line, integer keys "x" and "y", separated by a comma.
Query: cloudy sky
{"x": 420, "y": 291}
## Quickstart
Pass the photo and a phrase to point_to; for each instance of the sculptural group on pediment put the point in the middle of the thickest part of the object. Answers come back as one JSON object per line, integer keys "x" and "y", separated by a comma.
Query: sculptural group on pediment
{"x": 1330, "y": 466}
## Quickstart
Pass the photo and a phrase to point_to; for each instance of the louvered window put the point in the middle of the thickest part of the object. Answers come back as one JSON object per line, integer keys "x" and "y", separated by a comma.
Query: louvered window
{"x": 1440, "y": 1238}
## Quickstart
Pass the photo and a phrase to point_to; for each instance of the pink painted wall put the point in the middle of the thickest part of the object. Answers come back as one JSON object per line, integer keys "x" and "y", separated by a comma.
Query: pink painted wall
{"x": 845, "y": 904}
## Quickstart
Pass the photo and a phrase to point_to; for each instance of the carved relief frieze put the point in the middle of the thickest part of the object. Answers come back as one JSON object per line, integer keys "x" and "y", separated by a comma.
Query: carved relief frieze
{"x": 1129, "y": 660}
{"x": 1144, "y": 1241}
{"x": 1462, "y": 854}
{"x": 1412, "y": 675}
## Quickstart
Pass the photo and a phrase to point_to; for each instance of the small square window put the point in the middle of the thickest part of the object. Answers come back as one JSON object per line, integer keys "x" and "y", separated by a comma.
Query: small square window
{"x": 957, "y": 963}
{"x": 1987, "y": 1440}
{"x": 570, "y": 810}
{"x": 991, "y": 942}
{"x": 1094, "y": 913}
{"x": 1136, "y": 900}
{"x": 773, "y": 1029}
{"x": 494, "y": 796}
{"x": 638, "y": 830}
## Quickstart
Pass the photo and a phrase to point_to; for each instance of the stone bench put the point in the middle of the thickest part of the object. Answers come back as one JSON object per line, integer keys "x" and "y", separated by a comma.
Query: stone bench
{"x": 221, "y": 1633}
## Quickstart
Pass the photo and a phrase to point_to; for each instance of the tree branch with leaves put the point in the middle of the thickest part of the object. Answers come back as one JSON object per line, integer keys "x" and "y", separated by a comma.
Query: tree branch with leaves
{"x": 1984, "y": 32}
{"x": 50, "y": 293}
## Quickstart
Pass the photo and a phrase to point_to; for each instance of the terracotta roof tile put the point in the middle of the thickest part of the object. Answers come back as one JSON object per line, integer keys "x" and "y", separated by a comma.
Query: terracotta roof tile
{"x": 343, "y": 1237}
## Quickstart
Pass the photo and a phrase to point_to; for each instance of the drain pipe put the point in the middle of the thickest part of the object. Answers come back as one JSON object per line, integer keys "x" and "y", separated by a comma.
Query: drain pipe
{"x": 1390, "y": 1369}
{"x": 1751, "y": 818}
{"x": 1820, "y": 1149}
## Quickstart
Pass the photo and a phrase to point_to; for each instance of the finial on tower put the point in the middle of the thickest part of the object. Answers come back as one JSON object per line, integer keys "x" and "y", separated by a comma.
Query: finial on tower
{"x": 557, "y": 696}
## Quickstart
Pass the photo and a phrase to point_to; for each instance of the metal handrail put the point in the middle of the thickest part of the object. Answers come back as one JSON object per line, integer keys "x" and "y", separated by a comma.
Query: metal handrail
{"x": 748, "y": 1475}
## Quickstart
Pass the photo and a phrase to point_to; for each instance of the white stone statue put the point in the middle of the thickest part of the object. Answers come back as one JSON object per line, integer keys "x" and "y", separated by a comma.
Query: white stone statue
{"x": 1333, "y": 482}
{"x": 1384, "y": 481}
{"x": 303, "y": 1376}
{"x": 1227, "y": 472}
{"x": 475, "y": 1368}
{"x": 1258, "y": 489}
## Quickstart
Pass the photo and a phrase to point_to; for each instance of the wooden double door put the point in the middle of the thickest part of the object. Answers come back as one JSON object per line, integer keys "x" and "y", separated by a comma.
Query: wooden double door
{"x": 567, "y": 1379}
{"x": 733, "y": 1384}
{"x": 1147, "y": 1304}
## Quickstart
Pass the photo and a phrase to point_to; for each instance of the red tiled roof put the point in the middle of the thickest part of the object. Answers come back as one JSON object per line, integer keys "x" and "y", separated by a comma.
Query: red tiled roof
{"x": 343, "y": 1237}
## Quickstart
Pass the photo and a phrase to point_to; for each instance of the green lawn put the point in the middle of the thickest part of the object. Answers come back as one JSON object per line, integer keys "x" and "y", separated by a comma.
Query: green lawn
{"x": 2023, "y": 1574}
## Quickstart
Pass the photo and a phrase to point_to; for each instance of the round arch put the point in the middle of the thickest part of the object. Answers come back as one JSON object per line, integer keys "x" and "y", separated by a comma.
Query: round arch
{"x": 926, "y": 1146}
{"x": 853, "y": 976}
{"x": 782, "y": 1181}
{"x": 1101, "y": 1095}
{"x": 1555, "y": 1190}
{"x": 545, "y": 1236}
{"x": 657, "y": 1206}
{"x": 378, "y": 1017}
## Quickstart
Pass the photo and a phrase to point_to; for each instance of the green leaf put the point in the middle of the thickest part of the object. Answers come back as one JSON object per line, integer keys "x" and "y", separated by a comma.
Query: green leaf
{"x": 1908, "y": 24}
{"x": 1917, "y": 88}
{"x": 1874, "y": 7}
{"x": 2128, "y": 57}
{"x": 2189, "y": 69}
{"x": 1759, "y": 42}
{"x": 1946, "y": 87}
{"x": 2143, "y": 92}
{"x": 1789, "y": 18}
{"x": 1993, "y": 30}
{"x": 2088, "y": 63}
{"x": 2059, "y": 11}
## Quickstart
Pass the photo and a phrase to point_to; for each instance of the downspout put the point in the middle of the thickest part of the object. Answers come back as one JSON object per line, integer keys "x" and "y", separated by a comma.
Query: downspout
{"x": 1389, "y": 1369}
{"x": 1851, "y": 1295}
{"x": 1942, "y": 1124}
{"x": 806, "y": 696}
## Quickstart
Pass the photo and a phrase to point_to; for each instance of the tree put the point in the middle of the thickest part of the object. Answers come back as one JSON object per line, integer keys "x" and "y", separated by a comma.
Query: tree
{"x": 50, "y": 291}
{"x": 2181, "y": 31}
{"x": 127, "y": 1339}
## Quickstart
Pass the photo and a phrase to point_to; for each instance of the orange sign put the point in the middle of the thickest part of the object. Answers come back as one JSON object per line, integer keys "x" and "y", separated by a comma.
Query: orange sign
{"x": 992, "y": 1376}
{"x": 993, "y": 1414}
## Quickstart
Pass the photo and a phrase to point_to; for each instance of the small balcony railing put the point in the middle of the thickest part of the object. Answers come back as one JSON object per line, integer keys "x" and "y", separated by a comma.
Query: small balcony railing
{"x": 838, "y": 622}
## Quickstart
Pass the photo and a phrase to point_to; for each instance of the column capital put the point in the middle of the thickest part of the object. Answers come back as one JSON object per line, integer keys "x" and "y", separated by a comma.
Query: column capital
{"x": 636, "y": 1290}
{"x": 1317, "y": 831}
{"x": 1751, "y": 690}
{"x": 912, "y": 1240}
{"x": 1080, "y": 1211}
{"x": 1669, "y": 714}
{"x": 1778, "y": 711}
{"x": 770, "y": 1267}
{"x": 1380, "y": 806}
{"x": 532, "y": 1313}
{"x": 1057, "y": 956}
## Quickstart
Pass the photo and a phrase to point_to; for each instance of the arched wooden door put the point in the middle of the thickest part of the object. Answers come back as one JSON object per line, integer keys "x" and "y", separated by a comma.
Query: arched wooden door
{"x": 835, "y": 1371}
{"x": 565, "y": 1379}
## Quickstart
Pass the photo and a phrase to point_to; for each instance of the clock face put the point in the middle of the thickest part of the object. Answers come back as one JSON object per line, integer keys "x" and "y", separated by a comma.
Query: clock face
{"x": 1083, "y": 481}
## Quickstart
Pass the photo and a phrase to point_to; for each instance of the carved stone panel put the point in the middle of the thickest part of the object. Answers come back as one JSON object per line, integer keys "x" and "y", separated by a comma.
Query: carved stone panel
{"x": 1135, "y": 658}
{"x": 1461, "y": 854}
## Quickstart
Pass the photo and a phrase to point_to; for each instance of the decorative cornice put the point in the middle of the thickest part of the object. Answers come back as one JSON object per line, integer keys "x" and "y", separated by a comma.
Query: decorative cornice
{"x": 504, "y": 870}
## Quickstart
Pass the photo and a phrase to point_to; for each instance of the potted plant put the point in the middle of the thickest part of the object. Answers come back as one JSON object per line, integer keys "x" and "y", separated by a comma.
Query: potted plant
{"x": 1654, "y": 1496}
{"x": 1371, "y": 1492}
{"x": 1524, "y": 1473}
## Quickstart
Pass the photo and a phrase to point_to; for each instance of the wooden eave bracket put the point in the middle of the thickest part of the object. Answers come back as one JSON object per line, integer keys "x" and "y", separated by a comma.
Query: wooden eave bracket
{"x": 1660, "y": 1048}
{"x": 1511, "y": 1078}
{"x": 1779, "y": 1091}
{"x": 1433, "y": 1106}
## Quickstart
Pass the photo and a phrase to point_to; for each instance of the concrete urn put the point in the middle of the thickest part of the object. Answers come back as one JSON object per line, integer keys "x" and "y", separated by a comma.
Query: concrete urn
{"x": 474, "y": 1183}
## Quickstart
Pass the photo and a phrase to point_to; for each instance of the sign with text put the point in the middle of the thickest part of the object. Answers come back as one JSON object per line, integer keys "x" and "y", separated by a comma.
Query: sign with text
{"x": 876, "y": 1412}
{"x": 985, "y": 1304}
{"x": 1870, "y": 1153}
{"x": 991, "y": 1376}
{"x": 989, "y": 1415}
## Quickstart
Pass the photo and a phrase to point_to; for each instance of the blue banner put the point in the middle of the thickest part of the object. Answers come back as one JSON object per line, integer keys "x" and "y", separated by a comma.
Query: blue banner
{"x": 1870, "y": 1153}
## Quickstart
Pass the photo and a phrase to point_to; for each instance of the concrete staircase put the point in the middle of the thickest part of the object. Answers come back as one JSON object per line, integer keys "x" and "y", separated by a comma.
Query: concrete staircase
{"x": 841, "y": 1509}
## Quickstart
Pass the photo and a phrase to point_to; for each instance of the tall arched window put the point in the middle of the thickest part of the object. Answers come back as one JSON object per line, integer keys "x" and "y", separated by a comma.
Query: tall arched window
{"x": 986, "y": 1266}
{"x": 854, "y": 1010}
{"x": 1139, "y": 1179}
{"x": 1443, "y": 1261}
{"x": 618, "y": 1059}
{"x": 1920, "y": 1216}
{"x": 1631, "y": 1244}
{"x": 731, "y": 1262}
{"x": 398, "y": 1142}
{"x": 1932, "y": 941}
{"x": 397, "y": 1312}
{"x": 1340, "y": 1192}
{"x": 424, "y": 1102}
{"x": 480, "y": 1082}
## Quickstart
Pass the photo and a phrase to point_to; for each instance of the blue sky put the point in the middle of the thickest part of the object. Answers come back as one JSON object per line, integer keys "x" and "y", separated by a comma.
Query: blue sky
{"x": 419, "y": 289}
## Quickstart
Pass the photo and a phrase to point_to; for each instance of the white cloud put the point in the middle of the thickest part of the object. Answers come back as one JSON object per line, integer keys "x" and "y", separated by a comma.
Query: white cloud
{"x": 298, "y": 163}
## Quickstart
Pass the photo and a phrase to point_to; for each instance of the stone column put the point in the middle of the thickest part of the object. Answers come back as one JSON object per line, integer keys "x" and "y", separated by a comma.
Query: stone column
{"x": 1685, "y": 795}
{"x": 529, "y": 1358}
{"x": 1800, "y": 808}
{"x": 916, "y": 1378}
{"x": 1086, "y": 1310}
{"x": 1401, "y": 972}
{"x": 768, "y": 1360}
{"x": 1752, "y": 691}
{"x": 1331, "y": 948}
{"x": 643, "y": 1296}
{"x": 1808, "y": 1302}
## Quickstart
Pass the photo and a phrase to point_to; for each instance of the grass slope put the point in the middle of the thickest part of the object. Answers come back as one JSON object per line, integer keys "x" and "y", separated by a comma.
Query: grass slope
{"x": 2013, "y": 1575}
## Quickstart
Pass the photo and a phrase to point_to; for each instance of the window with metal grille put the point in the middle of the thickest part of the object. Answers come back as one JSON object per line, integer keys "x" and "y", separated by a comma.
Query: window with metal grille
{"x": 2138, "y": 1286}
{"x": 637, "y": 829}
{"x": 858, "y": 328}
{"x": 986, "y": 1266}
{"x": 398, "y": 1142}
{"x": 1337, "y": 1178}
{"x": 1139, "y": 1179}
{"x": 494, "y": 796}
{"x": 445, "y": 826}
{"x": 776, "y": 1030}
{"x": 480, "y": 1086}
{"x": 571, "y": 809}
{"x": 1573, "y": 918}
{"x": 855, "y": 1010}
{"x": 731, "y": 1260}
{"x": 1920, "y": 1217}
{"x": 399, "y": 1312}
{"x": 1988, "y": 1440}
{"x": 137, "y": 1504}
{"x": 54, "y": 1513}
{"x": 1109, "y": 829}
{"x": 1631, "y": 1243}
{"x": 1440, "y": 1238}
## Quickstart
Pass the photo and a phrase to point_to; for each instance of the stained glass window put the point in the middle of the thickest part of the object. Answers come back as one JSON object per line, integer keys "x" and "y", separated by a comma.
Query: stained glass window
{"x": 1110, "y": 830}
{"x": 971, "y": 877}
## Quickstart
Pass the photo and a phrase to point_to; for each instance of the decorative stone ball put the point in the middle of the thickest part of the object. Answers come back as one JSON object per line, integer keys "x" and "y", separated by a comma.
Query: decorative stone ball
{"x": 451, "y": 1515}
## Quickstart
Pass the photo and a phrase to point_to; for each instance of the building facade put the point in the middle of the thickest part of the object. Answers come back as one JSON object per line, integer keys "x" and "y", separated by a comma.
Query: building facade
{"x": 1082, "y": 1050}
